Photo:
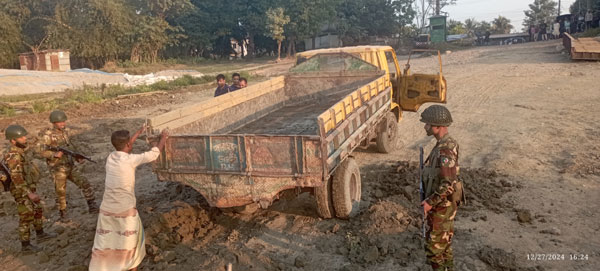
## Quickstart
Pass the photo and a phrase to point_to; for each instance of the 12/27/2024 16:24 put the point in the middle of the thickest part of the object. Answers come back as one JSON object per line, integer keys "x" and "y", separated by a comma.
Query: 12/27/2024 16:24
{"x": 557, "y": 257}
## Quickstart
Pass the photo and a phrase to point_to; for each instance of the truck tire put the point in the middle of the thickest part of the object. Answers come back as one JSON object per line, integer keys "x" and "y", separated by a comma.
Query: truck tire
{"x": 346, "y": 189}
{"x": 324, "y": 200}
{"x": 386, "y": 139}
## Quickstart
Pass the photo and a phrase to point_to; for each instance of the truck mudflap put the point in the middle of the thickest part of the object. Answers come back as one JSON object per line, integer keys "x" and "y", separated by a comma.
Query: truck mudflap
{"x": 234, "y": 170}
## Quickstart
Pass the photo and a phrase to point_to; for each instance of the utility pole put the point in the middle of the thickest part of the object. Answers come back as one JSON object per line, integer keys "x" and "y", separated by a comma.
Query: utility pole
{"x": 423, "y": 20}
{"x": 558, "y": 7}
{"x": 437, "y": 7}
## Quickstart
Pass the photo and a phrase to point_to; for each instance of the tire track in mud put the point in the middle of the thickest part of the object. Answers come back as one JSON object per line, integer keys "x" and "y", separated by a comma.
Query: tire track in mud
{"x": 385, "y": 233}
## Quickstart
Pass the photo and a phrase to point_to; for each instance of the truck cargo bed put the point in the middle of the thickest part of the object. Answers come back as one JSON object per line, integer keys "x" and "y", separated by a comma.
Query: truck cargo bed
{"x": 295, "y": 118}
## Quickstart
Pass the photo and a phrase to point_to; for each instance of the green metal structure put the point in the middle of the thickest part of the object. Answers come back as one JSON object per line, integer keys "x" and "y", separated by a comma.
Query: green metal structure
{"x": 438, "y": 28}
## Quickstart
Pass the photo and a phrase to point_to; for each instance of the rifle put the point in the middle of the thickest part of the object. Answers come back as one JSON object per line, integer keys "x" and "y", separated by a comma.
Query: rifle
{"x": 421, "y": 191}
{"x": 73, "y": 154}
{"x": 6, "y": 183}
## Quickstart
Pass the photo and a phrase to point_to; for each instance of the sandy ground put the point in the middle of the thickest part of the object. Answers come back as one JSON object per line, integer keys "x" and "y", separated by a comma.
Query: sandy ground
{"x": 527, "y": 121}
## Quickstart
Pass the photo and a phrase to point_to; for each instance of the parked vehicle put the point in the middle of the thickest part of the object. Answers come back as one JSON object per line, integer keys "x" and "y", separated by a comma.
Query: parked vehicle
{"x": 296, "y": 131}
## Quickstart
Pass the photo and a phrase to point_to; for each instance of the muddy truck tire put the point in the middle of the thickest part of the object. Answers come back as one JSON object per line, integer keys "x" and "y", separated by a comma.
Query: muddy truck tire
{"x": 386, "y": 138}
{"x": 346, "y": 189}
{"x": 325, "y": 200}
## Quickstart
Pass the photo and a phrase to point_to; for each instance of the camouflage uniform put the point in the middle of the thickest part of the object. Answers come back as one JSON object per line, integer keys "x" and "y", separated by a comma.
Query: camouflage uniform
{"x": 441, "y": 178}
{"x": 63, "y": 169}
{"x": 24, "y": 176}
{"x": 443, "y": 190}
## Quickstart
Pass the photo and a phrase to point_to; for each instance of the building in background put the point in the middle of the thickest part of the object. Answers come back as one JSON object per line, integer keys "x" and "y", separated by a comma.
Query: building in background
{"x": 327, "y": 38}
{"x": 47, "y": 60}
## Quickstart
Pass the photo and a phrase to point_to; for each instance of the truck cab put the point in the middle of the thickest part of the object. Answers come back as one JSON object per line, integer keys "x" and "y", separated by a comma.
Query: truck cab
{"x": 409, "y": 91}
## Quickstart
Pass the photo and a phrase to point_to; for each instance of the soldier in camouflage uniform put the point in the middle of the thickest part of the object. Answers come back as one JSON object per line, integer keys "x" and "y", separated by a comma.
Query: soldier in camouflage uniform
{"x": 443, "y": 189}
{"x": 24, "y": 175}
{"x": 62, "y": 167}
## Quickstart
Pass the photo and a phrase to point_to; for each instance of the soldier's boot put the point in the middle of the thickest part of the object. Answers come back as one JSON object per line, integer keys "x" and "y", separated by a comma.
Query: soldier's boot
{"x": 44, "y": 236}
{"x": 27, "y": 247}
{"x": 92, "y": 207}
{"x": 63, "y": 216}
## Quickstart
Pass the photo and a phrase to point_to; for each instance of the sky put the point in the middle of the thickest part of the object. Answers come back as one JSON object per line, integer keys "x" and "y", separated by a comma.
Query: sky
{"x": 489, "y": 9}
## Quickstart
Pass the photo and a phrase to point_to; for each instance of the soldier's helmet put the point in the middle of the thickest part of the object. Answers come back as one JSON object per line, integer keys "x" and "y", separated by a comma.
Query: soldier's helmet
{"x": 14, "y": 132}
{"x": 436, "y": 115}
{"x": 58, "y": 116}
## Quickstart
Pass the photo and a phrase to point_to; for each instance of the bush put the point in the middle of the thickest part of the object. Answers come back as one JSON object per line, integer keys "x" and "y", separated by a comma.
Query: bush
{"x": 44, "y": 106}
{"x": 591, "y": 33}
{"x": 7, "y": 111}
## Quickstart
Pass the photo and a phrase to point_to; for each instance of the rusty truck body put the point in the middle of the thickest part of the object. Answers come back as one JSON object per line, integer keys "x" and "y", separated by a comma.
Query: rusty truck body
{"x": 290, "y": 132}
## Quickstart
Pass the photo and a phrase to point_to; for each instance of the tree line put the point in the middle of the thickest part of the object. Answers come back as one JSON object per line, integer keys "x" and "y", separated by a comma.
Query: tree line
{"x": 500, "y": 25}
{"x": 99, "y": 31}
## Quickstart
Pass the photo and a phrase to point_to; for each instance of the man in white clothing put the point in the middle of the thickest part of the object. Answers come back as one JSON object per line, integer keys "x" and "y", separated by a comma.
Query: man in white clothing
{"x": 119, "y": 240}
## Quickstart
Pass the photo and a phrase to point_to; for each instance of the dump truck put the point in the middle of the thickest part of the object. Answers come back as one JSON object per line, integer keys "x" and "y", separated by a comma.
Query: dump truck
{"x": 294, "y": 132}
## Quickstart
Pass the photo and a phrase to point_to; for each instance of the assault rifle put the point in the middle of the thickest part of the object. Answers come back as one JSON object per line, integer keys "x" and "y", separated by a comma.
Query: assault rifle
{"x": 421, "y": 191}
{"x": 73, "y": 154}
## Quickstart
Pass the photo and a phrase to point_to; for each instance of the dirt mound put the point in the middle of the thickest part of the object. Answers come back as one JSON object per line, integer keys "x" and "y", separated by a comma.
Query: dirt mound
{"x": 387, "y": 217}
{"x": 497, "y": 258}
{"x": 484, "y": 188}
{"x": 181, "y": 224}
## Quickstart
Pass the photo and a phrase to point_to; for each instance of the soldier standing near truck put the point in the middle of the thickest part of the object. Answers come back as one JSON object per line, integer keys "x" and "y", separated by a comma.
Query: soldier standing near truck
{"x": 21, "y": 176}
{"x": 62, "y": 166}
{"x": 443, "y": 189}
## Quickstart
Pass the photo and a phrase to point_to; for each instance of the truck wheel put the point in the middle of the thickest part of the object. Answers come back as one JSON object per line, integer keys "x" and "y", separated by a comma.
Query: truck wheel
{"x": 346, "y": 189}
{"x": 324, "y": 200}
{"x": 386, "y": 139}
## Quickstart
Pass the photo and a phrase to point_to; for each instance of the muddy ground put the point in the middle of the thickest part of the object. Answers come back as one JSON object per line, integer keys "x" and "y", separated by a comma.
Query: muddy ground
{"x": 527, "y": 120}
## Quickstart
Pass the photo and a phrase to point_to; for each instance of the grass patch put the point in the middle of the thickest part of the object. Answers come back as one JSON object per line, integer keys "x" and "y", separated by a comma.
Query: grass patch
{"x": 26, "y": 97}
{"x": 97, "y": 94}
{"x": 590, "y": 33}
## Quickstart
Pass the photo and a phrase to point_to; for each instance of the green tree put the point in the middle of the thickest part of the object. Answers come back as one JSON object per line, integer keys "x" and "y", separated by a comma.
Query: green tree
{"x": 471, "y": 24}
{"x": 307, "y": 19}
{"x": 358, "y": 19}
{"x": 483, "y": 26}
{"x": 198, "y": 37}
{"x": 501, "y": 25}
{"x": 581, "y": 6}
{"x": 540, "y": 11}
{"x": 10, "y": 43}
{"x": 31, "y": 20}
{"x": 155, "y": 27}
{"x": 94, "y": 31}
{"x": 456, "y": 27}
{"x": 276, "y": 21}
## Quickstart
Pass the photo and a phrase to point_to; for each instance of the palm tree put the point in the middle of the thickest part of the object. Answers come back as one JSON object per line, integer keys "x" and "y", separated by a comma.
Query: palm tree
{"x": 471, "y": 24}
{"x": 501, "y": 25}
